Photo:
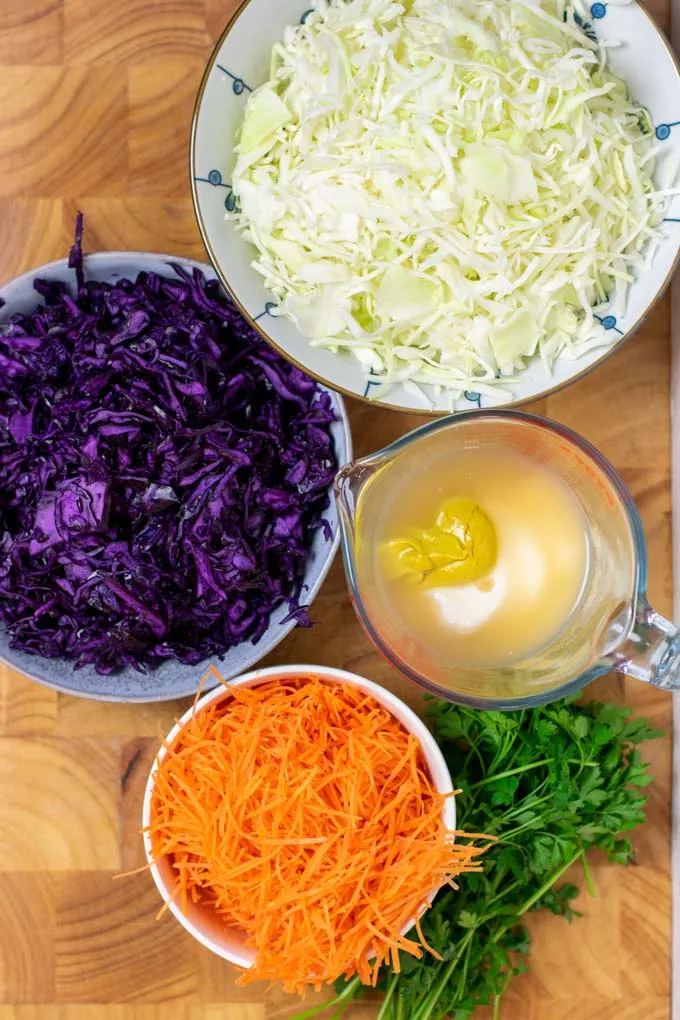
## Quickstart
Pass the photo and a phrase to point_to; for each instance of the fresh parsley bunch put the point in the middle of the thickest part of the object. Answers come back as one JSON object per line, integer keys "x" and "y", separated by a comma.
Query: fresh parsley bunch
{"x": 550, "y": 783}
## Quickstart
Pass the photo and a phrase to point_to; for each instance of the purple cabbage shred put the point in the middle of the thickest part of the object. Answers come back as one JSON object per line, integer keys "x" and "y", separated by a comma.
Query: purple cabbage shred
{"x": 162, "y": 473}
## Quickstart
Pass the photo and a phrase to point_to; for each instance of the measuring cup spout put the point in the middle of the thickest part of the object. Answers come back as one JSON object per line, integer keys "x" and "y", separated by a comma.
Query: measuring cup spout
{"x": 349, "y": 482}
{"x": 652, "y": 651}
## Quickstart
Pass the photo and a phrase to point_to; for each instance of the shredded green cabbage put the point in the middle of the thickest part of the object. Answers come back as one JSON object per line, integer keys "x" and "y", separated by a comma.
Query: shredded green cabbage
{"x": 446, "y": 188}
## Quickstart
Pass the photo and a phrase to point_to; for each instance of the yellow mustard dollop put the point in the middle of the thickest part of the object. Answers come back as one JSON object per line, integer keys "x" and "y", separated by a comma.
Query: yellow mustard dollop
{"x": 461, "y": 548}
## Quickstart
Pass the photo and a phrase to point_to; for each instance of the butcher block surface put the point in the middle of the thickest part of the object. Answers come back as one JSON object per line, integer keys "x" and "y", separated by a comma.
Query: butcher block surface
{"x": 96, "y": 99}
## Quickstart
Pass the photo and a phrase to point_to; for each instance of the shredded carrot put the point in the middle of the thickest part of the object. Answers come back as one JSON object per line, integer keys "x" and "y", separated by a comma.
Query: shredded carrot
{"x": 305, "y": 814}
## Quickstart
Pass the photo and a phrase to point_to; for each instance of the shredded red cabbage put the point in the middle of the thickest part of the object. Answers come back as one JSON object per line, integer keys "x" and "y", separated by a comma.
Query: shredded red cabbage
{"x": 162, "y": 471}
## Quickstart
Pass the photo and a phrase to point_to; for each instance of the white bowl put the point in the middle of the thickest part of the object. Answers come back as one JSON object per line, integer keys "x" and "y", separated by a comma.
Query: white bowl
{"x": 201, "y": 921}
{"x": 240, "y": 63}
{"x": 172, "y": 679}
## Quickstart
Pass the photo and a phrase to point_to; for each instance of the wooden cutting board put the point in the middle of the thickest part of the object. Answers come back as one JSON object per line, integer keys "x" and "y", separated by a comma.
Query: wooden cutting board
{"x": 95, "y": 104}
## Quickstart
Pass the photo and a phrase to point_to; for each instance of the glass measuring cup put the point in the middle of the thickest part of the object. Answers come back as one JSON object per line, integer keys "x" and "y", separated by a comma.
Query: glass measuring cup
{"x": 611, "y": 627}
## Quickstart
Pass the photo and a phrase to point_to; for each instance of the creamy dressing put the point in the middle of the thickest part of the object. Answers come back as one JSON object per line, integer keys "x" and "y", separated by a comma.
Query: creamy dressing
{"x": 523, "y": 599}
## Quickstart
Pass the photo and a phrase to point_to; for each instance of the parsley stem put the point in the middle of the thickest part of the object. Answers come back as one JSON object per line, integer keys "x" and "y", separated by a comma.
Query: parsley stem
{"x": 528, "y": 904}
{"x": 526, "y": 768}
{"x": 534, "y": 823}
{"x": 528, "y": 804}
{"x": 425, "y": 1011}
{"x": 343, "y": 997}
{"x": 385, "y": 1007}
{"x": 510, "y": 772}
{"x": 590, "y": 885}
{"x": 503, "y": 894}
{"x": 422, "y": 999}
{"x": 464, "y": 972}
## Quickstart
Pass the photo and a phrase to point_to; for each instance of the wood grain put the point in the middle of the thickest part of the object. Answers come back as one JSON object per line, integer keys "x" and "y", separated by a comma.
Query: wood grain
{"x": 60, "y": 807}
{"x": 63, "y": 131}
{"x": 95, "y": 109}
{"x": 31, "y": 32}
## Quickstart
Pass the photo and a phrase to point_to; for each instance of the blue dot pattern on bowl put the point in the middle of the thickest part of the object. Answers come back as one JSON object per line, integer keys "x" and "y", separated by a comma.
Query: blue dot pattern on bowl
{"x": 238, "y": 86}
{"x": 474, "y": 397}
{"x": 370, "y": 382}
{"x": 268, "y": 309}
{"x": 584, "y": 25}
{"x": 609, "y": 322}
{"x": 663, "y": 131}
{"x": 215, "y": 178}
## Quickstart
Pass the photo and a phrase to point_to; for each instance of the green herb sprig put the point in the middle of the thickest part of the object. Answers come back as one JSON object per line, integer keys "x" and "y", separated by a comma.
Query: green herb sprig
{"x": 551, "y": 784}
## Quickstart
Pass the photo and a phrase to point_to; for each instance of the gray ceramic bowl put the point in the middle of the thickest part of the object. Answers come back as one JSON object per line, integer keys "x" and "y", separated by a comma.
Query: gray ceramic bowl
{"x": 172, "y": 679}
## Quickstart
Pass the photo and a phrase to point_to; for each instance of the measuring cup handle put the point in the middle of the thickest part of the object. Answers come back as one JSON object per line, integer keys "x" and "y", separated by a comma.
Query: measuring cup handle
{"x": 652, "y": 651}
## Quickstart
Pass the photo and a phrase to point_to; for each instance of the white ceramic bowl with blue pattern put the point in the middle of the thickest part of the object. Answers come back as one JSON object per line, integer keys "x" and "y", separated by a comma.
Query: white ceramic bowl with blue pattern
{"x": 240, "y": 63}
